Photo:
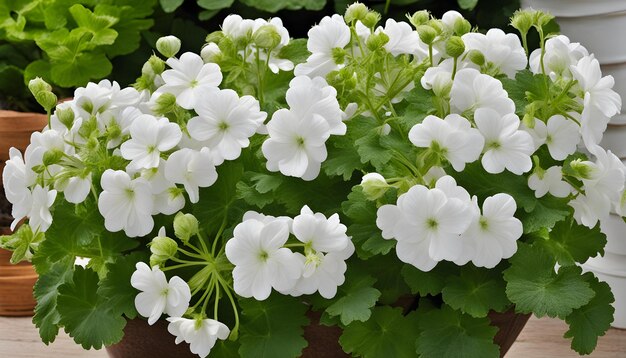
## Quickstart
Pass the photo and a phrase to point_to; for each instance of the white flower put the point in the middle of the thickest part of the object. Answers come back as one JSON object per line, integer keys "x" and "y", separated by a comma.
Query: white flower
{"x": 17, "y": 178}
{"x": 159, "y": 296}
{"x": 296, "y": 146}
{"x": 505, "y": 145}
{"x": 449, "y": 18}
{"x": 225, "y": 123}
{"x": 210, "y": 52}
{"x": 502, "y": 50}
{"x": 549, "y": 181}
{"x": 473, "y": 90}
{"x": 76, "y": 189}
{"x": 439, "y": 78}
{"x": 373, "y": 178}
{"x": 189, "y": 79}
{"x": 562, "y": 137}
{"x": 313, "y": 96}
{"x": 149, "y": 137}
{"x": 559, "y": 55}
{"x": 427, "y": 225}
{"x": 39, "y": 217}
{"x": 191, "y": 168}
{"x": 403, "y": 40}
{"x": 266, "y": 219}
{"x": 493, "y": 235}
{"x": 42, "y": 142}
{"x": 236, "y": 27}
{"x": 318, "y": 232}
{"x": 539, "y": 132}
{"x": 201, "y": 334}
{"x": 432, "y": 175}
{"x": 452, "y": 137}
{"x": 330, "y": 33}
{"x": 588, "y": 210}
{"x": 261, "y": 263}
{"x": 323, "y": 272}
{"x": 126, "y": 204}
{"x": 123, "y": 121}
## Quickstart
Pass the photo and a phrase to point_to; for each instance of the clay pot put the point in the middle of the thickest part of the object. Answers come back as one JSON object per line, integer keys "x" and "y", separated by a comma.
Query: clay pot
{"x": 144, "y": 341}
{"x": 15, "y": 131}
{"x": 510, "y": 325}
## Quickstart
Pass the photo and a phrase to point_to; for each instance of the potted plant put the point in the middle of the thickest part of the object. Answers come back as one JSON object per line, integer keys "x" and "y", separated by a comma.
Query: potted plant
{"x": 399, "y": 187}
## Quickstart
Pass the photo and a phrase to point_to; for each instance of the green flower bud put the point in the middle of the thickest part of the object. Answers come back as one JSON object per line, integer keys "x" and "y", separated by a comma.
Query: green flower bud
{"x": 455, "y": 47}
{"x": 356, "y": 11}
{"x": 168, "y": 46}
{"x": 211, "y": 52}
{"x": 376, "y": 41}
{"x": 52, "y": 156}
{"x": 427, "y": 34}
{"x": 374, "y": 186}
{"x": 37, "y": 85}
{"x": 165, "y": 103}
{"x": 46, "y": 99}
{"x": 419, "y": 18}
{"x": 266, "y": 36}
{"x": 542, "y": 18}
{"x": 339, "y": 55}
{"x": 162, "y": 248}
{"x": 65, "y": 116}
{"x": 581, "y": 169}
{"x": 156, "y": 64}
{"x": 522, "y": 20}
{"x": 461, "y": 27}
{"x": 371, "y": 19}
{"x": 476, "y": 57}
{"x": 437, "y": 25}
{"x": 185, "y": 226}
{"x": 147, "y": 70}
{"x": 215, "y": 36}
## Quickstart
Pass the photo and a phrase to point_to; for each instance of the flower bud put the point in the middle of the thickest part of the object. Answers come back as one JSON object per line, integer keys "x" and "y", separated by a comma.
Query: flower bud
{"x": 581, "y": 170}
{"x": 147, "y": 70}
{"x": 65, "y": 116}
{"x": 162, "y": 248}
{"x": 427, "y": 34}
{"x": 339, "y": 55}
{"x": 165, "y": 103}
{"x": 542, "y": 18}
{"x": 376, "y": 41}
{"x": 384, "y": 130}
{"x": 215, "y": 37}
{"x": 46, "y": 99}
{"x": 266, "y": 37}
{"x": 185, "y": 226}
{"x": 522, "y": 20}
{"x": 156, "y": 64}
{"x": 356, "y": 11}
{"x": 461, "y": 27}
{"x": 52, "y": 156}
{"x": 210, "y": 52}
{"x": 437, "y": 25}
{"x": 374, "y": 186}
{"x": 371, "y": 19}
{"x": 168, "y": 46}
{"x": 419, "y": 18}
{"x": 455, "y": 47}
{"x": 476, "y": 57}
{"x": 37, "y": 85}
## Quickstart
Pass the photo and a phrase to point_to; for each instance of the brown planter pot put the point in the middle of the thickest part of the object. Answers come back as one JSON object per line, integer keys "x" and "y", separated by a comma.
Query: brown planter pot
{"x": 141, "y": 340}
{"x": 15, "y": 131}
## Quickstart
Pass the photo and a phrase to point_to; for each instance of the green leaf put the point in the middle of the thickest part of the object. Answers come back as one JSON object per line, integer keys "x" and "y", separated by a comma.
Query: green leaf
{"x": 355, "y": 298}
{"x": 428, "y": 283}
{"x": 467, "y": 4}
{"x": 88, "y": 317}
{"x": 116, "y": 287}
{"x": 389, "y": 282}
{"x": 46, "y": 316}
{"x": 592, "y": 320}
{"x": 343, "y": 159}
{"x": 272, "y": 328}
{"x": 170, "y": 5}
{"x": 296, "y": 51}
{"x": 23, "y": 243}
{"x": 476, "y": 291}
{"x": 215, "y": 4}
{"x": 571, "y": 243}
{"x": 533, "y": 285}
{"x": 99, "y": 26}
{"x": 449, "y": 333}
{"x": 386, "y": 334}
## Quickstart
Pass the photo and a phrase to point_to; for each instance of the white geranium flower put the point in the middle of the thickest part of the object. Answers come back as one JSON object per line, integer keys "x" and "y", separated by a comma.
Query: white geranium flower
{"x": 225, "y": 123}
{"x": 427, "y": 225}
{"x": 201, "y": 334}
{"x": 261, "y": 263}
{"x": 149, "y": 137}
{"x": 318, "y": 232}
{"x": 563, "y": 136}
{"x": 505, "y": 145}
{"x": 324, "y": 38}
{"x": 210, "y": 52}
{"x": 266, "y": 219}
{"x": 588, "y": 210}
{"x": 17, "y": 178}
{"x": 76, "y": 189}
{"x": 323, "y": 272}
{"x": 503, "y": 50}
{"x": 193, "y": 169}
{"x": 123, "y": 120}
{"x": 449, "y": 18}
{"x": 126, "y": 204}
{"x": 559, "y": 55}
{"x": 403, "y": 40}
{"x": 39, "y": 217}
{"x": 453, "y": 137}
{"x": 539, "y": 132}
{"x": 159, "y": 296}
{"x": 549, "y": 181}
{"x": 439, "y": 78}
{"x": 92, "y": 99}
{"x": 296, "y": 146}
{"x": 493, "y": 235}
{"x": 190, "y": 79}
{"x": 473, "y": 90}
{"x": 313, "y": 96}
{"x": 236, "y": 27}
{"x": 42, "y": 142}
{"x": 593, "y": 123}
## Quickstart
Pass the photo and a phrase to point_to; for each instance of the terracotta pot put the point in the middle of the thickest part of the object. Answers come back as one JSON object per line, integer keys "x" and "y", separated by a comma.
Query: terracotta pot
{"x": 510, "y": 325}
{"x": 15, "y": 131}
{"x": 144, "y": 341}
